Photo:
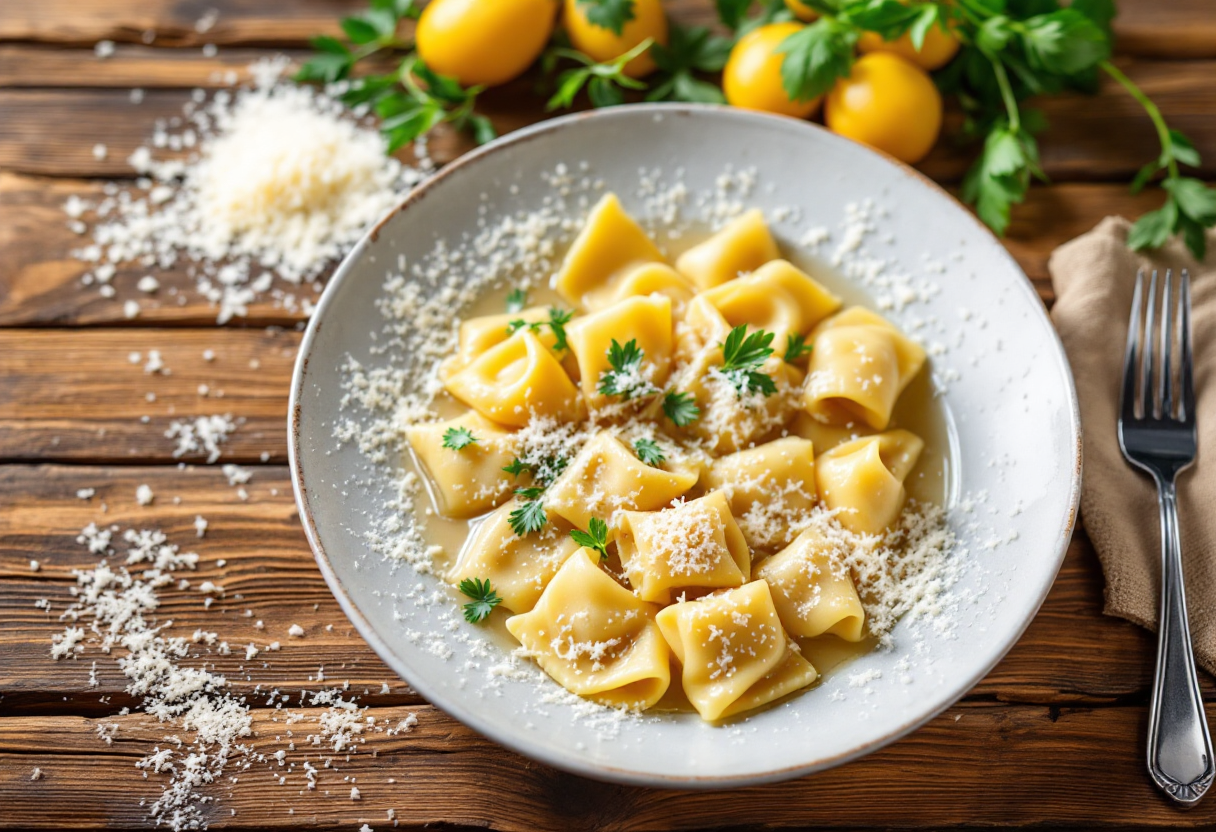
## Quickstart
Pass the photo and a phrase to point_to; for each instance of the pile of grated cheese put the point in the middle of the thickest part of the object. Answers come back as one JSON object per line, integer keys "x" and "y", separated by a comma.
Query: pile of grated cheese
{"x": 278, "y": 182}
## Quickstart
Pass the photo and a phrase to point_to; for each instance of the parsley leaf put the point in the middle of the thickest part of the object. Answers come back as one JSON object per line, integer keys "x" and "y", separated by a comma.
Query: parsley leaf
{"x": 649, "y": 452}
{"x": 1064, "y": 42}
{"x": 1001, "y": 175}
{"x": 332, "y": 62}
{"x": 485, "y": 599}
{"x": 596, "y": 537}
{"x": 558, "y": 318}
{"x": 742, "y": 355}
{"x": 458, "y": 438}
{"x": 815, "y": 56}
{"x": 608, "y": 14}
{"x": 529, "y": 516}
{"x": 517, "y": 299}
{"x": 680, "y": 408}
{"x": 517, "y": 467}
{"x": 603, "y": 81}
{"x": 796, "y": 347}
{"x": 689, "y": 49}
{"x": 516, "y": 324}
{"x": 625, "y": 378}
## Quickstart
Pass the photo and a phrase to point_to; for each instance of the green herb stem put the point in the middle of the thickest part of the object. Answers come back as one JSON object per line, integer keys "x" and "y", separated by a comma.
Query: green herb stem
{"x": 1163, "y": 130}
{"x": 1011, "y": 101}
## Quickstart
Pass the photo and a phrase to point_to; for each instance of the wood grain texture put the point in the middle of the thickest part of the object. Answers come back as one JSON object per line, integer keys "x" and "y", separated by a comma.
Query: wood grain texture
{"x": 1011, "y": 766}
{"x": 1070, "y": 654}
{"x": 81, "y": 398}
{"x": 40, "y": 128}
{"x": 40, "y": 280}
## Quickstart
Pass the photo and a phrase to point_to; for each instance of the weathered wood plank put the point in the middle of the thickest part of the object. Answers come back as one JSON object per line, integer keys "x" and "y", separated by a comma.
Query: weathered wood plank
{"x": 81, "y": 398}
{"x": 131, "y": 65}
{"x": 269, "y": 578}
{"x": 40, "y": 281}
{"x": 1071, "y": 653}
{"x": 1178, "y": 29}
{"x": 1011, "y": 766}
{"x": 40, "y": 130}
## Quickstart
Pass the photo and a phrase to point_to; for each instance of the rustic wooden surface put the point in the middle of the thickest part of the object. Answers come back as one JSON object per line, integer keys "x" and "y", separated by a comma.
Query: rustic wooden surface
{"x": 1053, "y": 738}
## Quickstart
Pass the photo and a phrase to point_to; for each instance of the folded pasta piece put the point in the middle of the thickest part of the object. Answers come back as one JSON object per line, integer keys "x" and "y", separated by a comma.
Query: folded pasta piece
{"x": 610, "y": 244}
{"x": 605, "y": 477}
{"x": 519, "y": 568}
{"x": 516, "y": 380}
{"x": 701, "y": 328}
{"x": 729, "y": 421}
{"x": 827, "y": 436}
{"x": 743, "y": 245}
{"x": 595, "y": 638}
{"x": 777, "y": 297}
{"x": 692, "y": 544}
{"x": 643, "y": 320}
{"x": 864, "y": 479}
{"x": 859, "y": 366}
{"x": 470, "y": 481}
{"x": 477, "y": 335}
{"x": 771, "y": 489}
{"x": 813, "y": 596}
{"x": 734, "y": 652}
{"x": 646, "y": 279}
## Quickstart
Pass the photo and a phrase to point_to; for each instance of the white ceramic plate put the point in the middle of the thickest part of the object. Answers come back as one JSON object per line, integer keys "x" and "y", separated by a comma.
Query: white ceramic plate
{"x": 1007, "y": 390}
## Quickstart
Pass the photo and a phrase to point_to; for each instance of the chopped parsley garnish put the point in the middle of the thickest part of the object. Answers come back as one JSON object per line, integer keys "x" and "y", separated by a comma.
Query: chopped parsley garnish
{"x": 596, "y": 537}
{"x": 558, "y": 318}
{"x": 742, "y": 355}
{"x": 517, "y": 299}
{"x": 796, "y": 347}
{"x": 625, "y": 378}
{"x": 485, "y": 599}
{"x": 529, "y": 516}
{"x": 517, "y": 467}
{"x": 458, "y": 438}
{"x": 681, "y": 408}
{"x": 608, "y": 14}
{"x": 649, "y": 452}
{"x": 547, "y": 470}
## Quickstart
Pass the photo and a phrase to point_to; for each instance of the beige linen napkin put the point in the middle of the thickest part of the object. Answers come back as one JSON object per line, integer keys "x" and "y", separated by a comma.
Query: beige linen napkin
{"x": 1093, "y": 277}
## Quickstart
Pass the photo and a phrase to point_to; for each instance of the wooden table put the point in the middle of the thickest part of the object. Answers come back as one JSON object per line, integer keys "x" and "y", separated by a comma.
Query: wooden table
{"x": 1054, "y": 737}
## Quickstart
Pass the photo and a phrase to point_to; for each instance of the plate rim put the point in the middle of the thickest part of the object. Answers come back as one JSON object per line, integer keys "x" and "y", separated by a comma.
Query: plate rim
{"x": 567, "y": 760}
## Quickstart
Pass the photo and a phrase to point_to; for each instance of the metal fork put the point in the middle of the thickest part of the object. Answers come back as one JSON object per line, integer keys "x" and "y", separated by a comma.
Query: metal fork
{"x": 1157, "y": 435}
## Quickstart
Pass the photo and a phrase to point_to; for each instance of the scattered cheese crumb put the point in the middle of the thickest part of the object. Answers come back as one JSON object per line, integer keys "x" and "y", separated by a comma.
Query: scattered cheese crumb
{"x": 295, "y": 631}
{"x": 144, "y": 495}
{"x": 354, "y": 793}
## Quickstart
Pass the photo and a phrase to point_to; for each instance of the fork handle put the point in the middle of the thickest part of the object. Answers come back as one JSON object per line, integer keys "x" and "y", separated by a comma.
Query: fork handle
{"x": 1179, "y": 745}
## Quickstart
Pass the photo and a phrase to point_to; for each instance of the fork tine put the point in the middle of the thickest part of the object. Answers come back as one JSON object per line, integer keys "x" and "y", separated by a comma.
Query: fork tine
{"x": 1127, "y": 400}
{"x": 1147, "y": 399}
{"x": 1186, "y": 373}
{"x": 1165, "y": 385}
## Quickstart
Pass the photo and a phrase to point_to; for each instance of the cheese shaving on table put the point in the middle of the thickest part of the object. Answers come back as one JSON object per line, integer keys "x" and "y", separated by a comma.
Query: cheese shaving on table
{"x": 280, "y": 182}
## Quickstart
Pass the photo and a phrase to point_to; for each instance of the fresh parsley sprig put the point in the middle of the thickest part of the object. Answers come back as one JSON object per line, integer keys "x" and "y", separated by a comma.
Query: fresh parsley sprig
{"x": 596, "y": 537}
{"x": 680, "y": 408}
{"x": 409, "y": 101}
{"x": 529, "y": 516}
{"x": 458, "y": 438}
{"x": 484, "y": 599}
{"x": 605, "y": 82}
{"x": 649, "y": 452}
{"x": 558, "y": 318}
{"x": 796, "y": 347}
{"x": 742, "y": 355}
{"x": 1190, "y": 205}
{"x": 688, "y": 50}
{"x": 625, "y": 378}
